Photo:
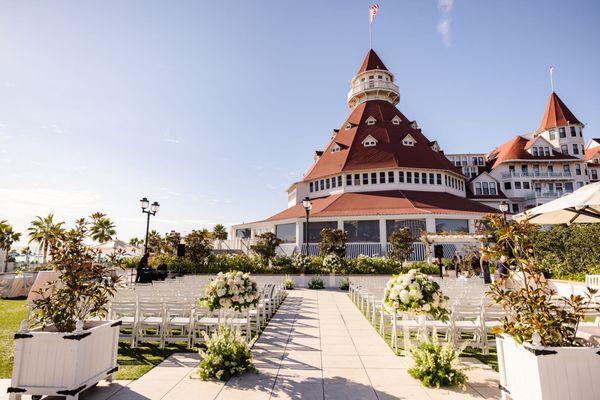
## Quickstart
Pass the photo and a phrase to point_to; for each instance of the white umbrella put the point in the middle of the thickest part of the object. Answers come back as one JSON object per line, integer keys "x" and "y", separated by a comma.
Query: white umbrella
{"x": 581, "y": 206}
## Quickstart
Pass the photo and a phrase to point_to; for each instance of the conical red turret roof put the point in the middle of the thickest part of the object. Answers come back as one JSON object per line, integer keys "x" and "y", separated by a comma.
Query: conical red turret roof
{"x": 371, "y": 62}
{"x": 557, "y": 114}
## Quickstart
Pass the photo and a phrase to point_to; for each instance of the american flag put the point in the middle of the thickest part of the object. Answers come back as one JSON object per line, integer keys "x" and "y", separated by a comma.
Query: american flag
{"x": 373, "y": 12}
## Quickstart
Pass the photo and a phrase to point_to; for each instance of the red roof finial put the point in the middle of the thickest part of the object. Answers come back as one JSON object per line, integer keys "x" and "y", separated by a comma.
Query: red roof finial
{"x": 557, "y": 114}
{"x": 371, "y": 62}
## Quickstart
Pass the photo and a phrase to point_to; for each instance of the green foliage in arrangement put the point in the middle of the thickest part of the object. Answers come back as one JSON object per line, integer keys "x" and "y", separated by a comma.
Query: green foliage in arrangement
{"x": 437, "y": 365}
{"x": 227, "y": 354}
{"x": 85, "y": 289}
{"x": 424, "y": 267}
{"x": 333, "y": 241}
{"x": 534, "y": 313}
{"x": 333, "y": 263}
{"x": 316, "y": 282}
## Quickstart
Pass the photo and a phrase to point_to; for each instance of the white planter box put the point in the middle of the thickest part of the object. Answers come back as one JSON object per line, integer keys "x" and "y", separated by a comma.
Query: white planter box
{"x": 56, "y": 363}
{"x": 529, "y": 372}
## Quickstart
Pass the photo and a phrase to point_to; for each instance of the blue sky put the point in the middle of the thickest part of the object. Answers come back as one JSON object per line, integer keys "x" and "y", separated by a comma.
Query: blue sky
{"x": 215, "y": 108}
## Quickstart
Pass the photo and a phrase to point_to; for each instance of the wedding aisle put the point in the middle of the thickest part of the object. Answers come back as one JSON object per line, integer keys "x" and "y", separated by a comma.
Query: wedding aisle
{"x": 317, "y": 346}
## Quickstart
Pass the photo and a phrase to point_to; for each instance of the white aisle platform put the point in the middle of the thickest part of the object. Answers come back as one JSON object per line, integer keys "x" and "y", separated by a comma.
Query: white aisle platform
{"x": 318, "y": 346}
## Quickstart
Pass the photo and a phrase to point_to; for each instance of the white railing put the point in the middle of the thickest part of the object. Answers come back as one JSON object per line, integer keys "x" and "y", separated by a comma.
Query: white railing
{"x": 373, "y": 85}
{"x": 536, "y": 175}
{"x": 544, "y": 195}
{"x": 592, "y": 281}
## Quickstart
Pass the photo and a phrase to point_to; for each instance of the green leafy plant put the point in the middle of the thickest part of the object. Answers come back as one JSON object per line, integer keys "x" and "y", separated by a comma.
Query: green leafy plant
{"x": 288, "y": 283}
{"x": 227, "y": 354}
{"x": 333, "y": 241}
{"x": 85, "y": 287}
{"x": 344, "y": 284}
{"x": 373, "y": 265}
{"x": 46, "y": 233}
{"x": 300, "y": 263}
{"x": 198, "y": 245}
{"x": 424, "y": 267}
{"x": 533, "y": 312}
{"x": 401, "y": 244}
{"x": 266, "y": 245}
{"x": 316, "y": 282}
{"x": 436, "y": 365}
{"x": 7, "y": 237}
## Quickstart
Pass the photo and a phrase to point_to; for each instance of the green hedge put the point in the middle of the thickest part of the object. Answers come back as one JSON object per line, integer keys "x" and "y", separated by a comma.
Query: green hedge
{"x": 284, "y": 265}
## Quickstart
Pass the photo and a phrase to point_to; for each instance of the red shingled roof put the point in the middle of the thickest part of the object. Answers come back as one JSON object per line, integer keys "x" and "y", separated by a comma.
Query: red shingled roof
{"x": 392, "y": 202}
{"x": 389, "y": 151}
{"x": 557, "y": 114}
{"x": 516, "y": 149}
{"x": 371, "y": 62}
{"x": 591, "y": 153}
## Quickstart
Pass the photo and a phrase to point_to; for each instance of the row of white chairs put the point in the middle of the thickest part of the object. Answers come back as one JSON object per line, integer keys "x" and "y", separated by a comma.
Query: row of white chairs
{"x": 152, "y": 317}
{"x": 471, "y": 314}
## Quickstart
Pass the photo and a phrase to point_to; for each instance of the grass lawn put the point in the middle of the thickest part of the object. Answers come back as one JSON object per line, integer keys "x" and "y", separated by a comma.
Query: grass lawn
{"x": 133, "y": 363}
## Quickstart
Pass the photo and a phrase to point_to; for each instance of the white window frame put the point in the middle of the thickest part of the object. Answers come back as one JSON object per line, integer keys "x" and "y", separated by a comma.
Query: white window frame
{"x": 396, "y": 120}
{"x": 371, "y": 120}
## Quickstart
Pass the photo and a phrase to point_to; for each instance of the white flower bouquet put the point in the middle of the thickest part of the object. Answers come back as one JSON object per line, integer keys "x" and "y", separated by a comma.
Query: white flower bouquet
{"x": 231, "y": 290}
{"x": 227, "y": 354}
{"x": 416, "y": 293}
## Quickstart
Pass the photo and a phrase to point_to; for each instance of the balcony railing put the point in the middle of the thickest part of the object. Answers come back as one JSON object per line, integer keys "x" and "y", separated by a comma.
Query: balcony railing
{"x": 373, "y": 85}
{"x": 534, "y": 175}
{"x": 545, "y": 195}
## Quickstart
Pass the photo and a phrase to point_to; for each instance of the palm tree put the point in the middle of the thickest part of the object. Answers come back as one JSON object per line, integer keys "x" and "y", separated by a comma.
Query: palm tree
{"x": 102, "y": 229}
{"x": 135, "y": 241}
{"x": 7, "y": 237}
{"x": 45, "y": 232}
{"x": 219, "y": 233}
{"x": 155, "y": 242}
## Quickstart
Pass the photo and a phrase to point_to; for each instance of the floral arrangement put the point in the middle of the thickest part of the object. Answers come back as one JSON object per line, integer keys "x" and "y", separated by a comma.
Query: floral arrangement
{"x": 333, "y": 263}
{"x": 300, "y": 262}
{"x": 231, "y": 290}
{"x": 316, "y": 282}
{"x": 437, "y": 365}
{"x": 227, "y": 354}
{"x": 288, "y": 283}
{"x": 417, "y": 293}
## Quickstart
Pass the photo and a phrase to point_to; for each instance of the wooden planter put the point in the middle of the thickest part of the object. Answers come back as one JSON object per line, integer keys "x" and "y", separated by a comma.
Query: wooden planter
{"x": 529, "y": 372}
{"x": 63, "y": 364}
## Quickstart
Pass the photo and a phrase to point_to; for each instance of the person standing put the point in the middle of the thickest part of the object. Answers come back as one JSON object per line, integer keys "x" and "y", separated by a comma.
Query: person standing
{"x": 484, "y": 263}
{"x": 438, "y": 262}
{"x": 502, "y": 271}
{"x": 456, "y": 260}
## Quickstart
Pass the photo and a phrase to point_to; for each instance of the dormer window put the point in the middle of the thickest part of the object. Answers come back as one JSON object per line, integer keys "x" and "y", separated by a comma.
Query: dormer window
{"x": 348, "y": 126}
{"x": 396, "y": 120}
{"x": 369, "y": 141}
{"x": 408, "y": 140}
{"x": 414, "y": 125}
{"x": 335, "y": 148}
{"x": 371, "y": 121}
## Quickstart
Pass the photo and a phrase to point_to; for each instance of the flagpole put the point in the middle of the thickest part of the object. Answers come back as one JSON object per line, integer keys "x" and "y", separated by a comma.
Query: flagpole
{"x": 552, "y": 78}
{"x": 370, "y": 36}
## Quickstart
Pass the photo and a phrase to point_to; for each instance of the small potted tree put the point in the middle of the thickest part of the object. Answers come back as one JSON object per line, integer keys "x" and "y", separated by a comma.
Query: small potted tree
{"x": 539, "y": 353}
{"x": 68, "y": 347}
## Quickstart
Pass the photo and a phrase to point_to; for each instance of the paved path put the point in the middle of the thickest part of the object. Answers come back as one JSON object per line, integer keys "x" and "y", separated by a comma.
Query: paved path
{"x": 318, "y": 346}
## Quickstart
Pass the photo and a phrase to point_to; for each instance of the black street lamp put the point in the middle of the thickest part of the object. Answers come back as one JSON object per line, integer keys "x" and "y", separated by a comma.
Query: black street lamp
{"x": 504, "y": 208}
{"x": 307, "y": 204}
{"x": 150, "y": 209}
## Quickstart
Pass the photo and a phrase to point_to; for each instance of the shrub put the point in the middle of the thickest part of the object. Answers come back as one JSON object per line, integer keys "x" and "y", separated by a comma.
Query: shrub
{"x": 425, "y": 267}
{"x": 333, "y": 263}
{"x": 333, "y": 241}
{"x": 316, "y": 282}
{"x": 345, "y": 284}
{"x": 288, "y": 283}
{"x": 373, "y": 265}
{"x": 401, "y": 244}
{"x": 198, "y": 245}
{"x": 281, "y": 263}
{"x": 436, "y": 365}
{"x": 227, "y": 354}
{"x": 300, "y": 263}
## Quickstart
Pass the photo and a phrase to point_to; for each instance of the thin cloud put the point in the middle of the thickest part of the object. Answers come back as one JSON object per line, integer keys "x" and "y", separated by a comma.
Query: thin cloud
{"x": 168, "y": 140}
{"x": 444, "y": 24}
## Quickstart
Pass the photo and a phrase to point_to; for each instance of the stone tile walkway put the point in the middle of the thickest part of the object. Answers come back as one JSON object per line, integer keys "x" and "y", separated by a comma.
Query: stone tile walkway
{"x": 318, "y": 346}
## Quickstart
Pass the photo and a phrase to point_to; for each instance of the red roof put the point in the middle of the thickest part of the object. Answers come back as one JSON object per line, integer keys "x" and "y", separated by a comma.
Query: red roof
{"x": 389, "y": 151}
{"x": 591, "y": 153}
{"x": 371, "y": 62}
{"x": 557, "y": 114}
{"x": 392, "y": 202}
{"x": 516, "y": 149}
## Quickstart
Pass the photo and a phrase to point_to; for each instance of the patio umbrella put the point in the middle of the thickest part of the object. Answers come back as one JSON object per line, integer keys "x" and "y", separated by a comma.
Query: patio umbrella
{"x": 581, "y": 206}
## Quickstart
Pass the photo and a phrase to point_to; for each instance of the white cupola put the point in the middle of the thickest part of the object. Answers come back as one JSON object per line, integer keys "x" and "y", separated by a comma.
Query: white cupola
{"x": 373, "y": 82}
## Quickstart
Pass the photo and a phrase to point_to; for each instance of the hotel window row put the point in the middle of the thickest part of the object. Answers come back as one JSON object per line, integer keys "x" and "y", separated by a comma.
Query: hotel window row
{"x": 562, "y": 132}
{"x": 485, "y": 188}
{"x": 373, "y": 178}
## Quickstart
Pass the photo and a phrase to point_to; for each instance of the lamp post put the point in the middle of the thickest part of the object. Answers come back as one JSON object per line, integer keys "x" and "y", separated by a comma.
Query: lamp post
{"x": 504, "y": 208}
{"x": 150, "y": 209}
{"x": 307, "y": 204}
